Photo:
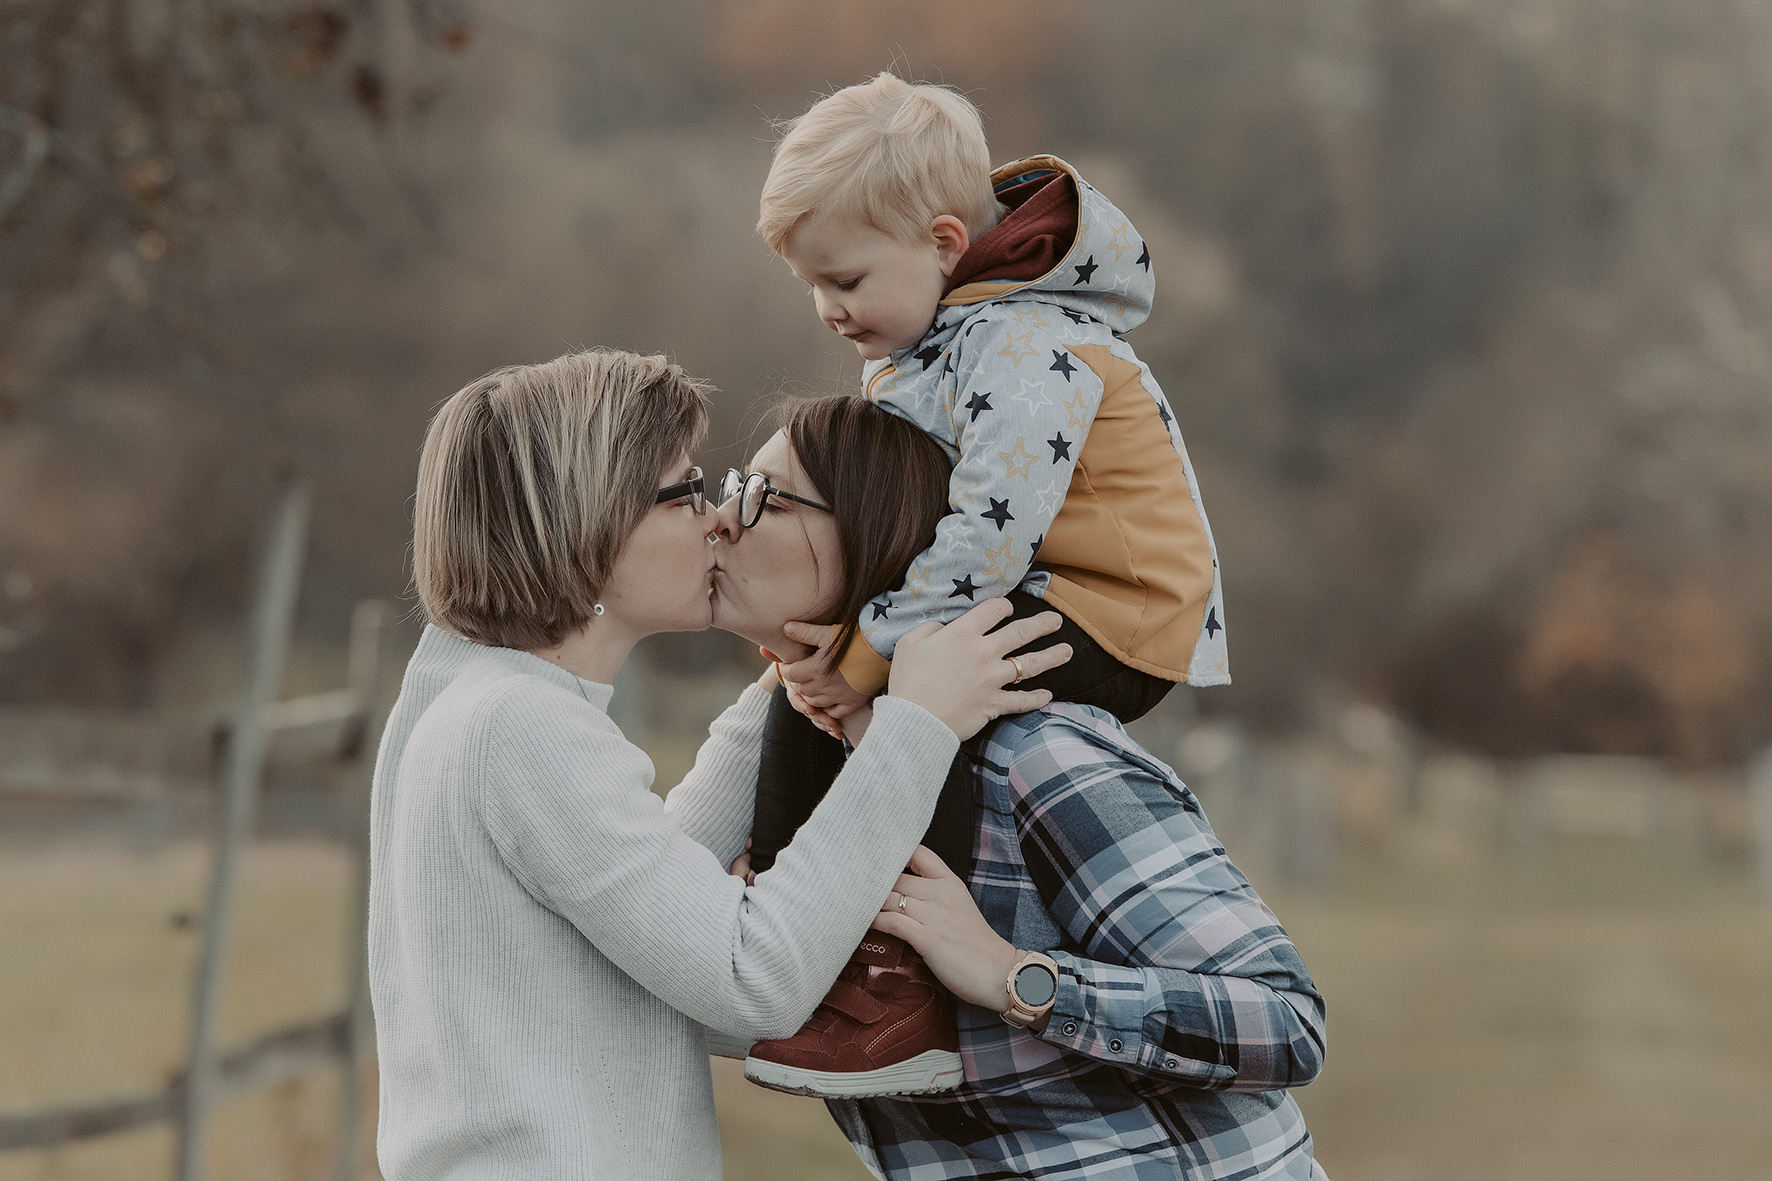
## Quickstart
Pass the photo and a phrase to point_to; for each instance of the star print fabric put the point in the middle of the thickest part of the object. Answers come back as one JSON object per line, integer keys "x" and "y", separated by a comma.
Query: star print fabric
{"x": 1011, "y": 379}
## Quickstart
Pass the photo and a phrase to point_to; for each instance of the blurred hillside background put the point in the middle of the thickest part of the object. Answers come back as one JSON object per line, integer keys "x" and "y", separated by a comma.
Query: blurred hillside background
{"x": 1464, "y": 306}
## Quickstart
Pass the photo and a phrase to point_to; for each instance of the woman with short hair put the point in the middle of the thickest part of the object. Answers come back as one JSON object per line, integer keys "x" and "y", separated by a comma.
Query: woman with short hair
{"x": 548, "y": 937}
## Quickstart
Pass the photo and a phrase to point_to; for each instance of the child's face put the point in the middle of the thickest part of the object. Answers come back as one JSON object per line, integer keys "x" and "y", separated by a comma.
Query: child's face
{"x": 874, "y": 290}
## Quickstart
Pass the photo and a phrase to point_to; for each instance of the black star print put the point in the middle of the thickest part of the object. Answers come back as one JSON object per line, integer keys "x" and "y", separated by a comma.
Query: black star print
{"x": 1085, "y": 271}
{"x": 1038, "y": 542}
{"x": 1074, "y": 317}
{"x": 978, "y": 404}
{"x": 1163, "y": 413}
{"x": 928, "y": 355}
{"x": 879, "y": 610}
{"x": 1061, "y": 363}
{"x": 1213, "y": 627}
{"x": 963, "y": 586}
{"x": 1144, "y": 260}
{"x": 999, "y": 513}
{"x": 947, "y": 363}
{"x": 1061, "y": 447}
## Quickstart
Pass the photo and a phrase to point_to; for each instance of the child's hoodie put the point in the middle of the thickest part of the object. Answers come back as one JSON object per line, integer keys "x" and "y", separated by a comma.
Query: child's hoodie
{"x": 1070, "y": 478}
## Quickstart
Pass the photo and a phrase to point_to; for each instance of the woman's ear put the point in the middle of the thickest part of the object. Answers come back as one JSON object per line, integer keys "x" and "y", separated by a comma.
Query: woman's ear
{"x": 951, "y": 241}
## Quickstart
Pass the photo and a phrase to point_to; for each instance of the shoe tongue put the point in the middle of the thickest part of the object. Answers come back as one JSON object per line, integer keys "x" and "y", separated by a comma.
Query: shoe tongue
{"x": 881, "y": 951}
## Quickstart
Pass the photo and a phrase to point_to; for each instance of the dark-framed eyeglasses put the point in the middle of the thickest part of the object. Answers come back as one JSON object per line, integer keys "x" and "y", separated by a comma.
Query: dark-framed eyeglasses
{"x": 695, "y": 486}
{"x": 753, "y": 492}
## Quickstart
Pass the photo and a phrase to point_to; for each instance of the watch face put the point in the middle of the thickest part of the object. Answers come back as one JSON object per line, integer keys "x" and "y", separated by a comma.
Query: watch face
{"x": 1034, "y": 985}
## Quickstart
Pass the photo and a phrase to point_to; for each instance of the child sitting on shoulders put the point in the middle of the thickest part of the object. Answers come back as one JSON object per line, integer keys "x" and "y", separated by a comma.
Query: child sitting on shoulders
{"x": 990, "y": 308}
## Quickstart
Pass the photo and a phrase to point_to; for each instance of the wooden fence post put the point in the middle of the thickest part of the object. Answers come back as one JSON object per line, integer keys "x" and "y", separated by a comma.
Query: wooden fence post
{"x": 273, "y": 613}
{"x": 369, "y": 623}
{"x": 1759, "y": 787}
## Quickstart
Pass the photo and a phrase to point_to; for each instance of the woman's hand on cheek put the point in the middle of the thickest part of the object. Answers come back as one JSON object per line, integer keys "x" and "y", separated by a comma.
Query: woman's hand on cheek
{"x": 942, "y": 922}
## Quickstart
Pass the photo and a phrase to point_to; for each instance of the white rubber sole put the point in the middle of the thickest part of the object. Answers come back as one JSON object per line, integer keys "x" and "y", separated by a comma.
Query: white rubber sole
{"x": 929, "y": 1073}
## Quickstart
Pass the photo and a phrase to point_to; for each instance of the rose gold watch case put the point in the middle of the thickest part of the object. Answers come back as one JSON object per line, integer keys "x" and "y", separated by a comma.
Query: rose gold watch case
{"x": 1020, "y": 1014}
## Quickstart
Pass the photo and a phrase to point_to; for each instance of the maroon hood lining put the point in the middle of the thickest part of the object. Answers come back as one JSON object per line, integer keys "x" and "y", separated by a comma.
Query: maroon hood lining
{"x": 1033, "y": 236}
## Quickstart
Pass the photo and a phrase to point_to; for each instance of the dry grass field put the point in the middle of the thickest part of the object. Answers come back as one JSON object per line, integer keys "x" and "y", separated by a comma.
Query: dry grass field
{"x": 1591, "y": 1017}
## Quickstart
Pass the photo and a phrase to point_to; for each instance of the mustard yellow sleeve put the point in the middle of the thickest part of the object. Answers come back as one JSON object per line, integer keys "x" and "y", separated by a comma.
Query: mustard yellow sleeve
{"x": 865, "y": 669}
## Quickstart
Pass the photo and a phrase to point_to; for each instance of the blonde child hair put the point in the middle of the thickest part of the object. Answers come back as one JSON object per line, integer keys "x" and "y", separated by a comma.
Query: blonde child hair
{"x": 886, "y": 153}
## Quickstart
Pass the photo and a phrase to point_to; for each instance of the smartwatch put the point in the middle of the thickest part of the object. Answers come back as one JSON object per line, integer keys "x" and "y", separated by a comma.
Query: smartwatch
{"x": 1033, "y": 987}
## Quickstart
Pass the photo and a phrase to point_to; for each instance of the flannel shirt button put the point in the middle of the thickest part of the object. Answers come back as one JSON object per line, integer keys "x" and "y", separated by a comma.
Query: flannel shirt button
{"x": 1114, "y": 1045}
{"x": 1070, "y": 1027}
{"x": 1170, "y": 1063}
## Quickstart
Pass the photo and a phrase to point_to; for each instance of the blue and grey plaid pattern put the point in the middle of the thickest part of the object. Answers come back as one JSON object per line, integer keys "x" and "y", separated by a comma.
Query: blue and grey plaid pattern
{"x": 1183, "y": 1009}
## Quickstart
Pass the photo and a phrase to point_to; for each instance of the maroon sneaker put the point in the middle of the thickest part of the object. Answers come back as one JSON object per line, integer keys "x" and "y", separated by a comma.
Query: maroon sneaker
{"x": 885, "y": 1028}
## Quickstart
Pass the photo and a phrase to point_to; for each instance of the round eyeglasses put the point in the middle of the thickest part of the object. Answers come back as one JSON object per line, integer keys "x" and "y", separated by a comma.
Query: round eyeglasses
{"x": 753, "y": 492}
{"x": 695, "y": 486}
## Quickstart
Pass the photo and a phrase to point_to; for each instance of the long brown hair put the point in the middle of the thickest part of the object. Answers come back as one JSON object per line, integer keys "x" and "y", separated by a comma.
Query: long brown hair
{"x": 886, "y": 483}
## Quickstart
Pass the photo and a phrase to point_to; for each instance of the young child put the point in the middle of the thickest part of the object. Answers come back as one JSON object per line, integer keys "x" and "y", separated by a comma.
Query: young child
{"x": 990, "y": 308}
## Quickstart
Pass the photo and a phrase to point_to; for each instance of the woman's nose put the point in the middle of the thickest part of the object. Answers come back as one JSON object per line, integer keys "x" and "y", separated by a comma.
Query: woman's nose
{"x": 726, "y": 526}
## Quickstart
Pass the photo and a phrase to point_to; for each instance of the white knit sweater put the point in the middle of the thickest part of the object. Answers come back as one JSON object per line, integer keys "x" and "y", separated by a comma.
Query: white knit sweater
{"x": 547, "y": 938}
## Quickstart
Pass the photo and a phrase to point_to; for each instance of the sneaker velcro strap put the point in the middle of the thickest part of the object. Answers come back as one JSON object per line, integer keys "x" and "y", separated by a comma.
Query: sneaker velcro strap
{"x": 852, "y": 1002}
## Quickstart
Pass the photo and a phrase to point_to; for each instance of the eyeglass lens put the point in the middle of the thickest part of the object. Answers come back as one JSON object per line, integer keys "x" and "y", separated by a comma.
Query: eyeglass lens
{"x": 750, "y": 491}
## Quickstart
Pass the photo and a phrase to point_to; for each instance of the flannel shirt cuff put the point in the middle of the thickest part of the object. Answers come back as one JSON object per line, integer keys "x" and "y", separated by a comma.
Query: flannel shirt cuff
{"x": 1114, "y": 1013}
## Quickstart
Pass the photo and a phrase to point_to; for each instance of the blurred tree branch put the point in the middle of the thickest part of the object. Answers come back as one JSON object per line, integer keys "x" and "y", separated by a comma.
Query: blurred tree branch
{"x": 131, "y": 129}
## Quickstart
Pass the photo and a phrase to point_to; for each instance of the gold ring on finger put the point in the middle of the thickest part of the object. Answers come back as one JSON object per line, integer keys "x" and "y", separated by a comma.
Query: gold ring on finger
{"x": 1016, "y": 665}
{"x": 901, "y": 909}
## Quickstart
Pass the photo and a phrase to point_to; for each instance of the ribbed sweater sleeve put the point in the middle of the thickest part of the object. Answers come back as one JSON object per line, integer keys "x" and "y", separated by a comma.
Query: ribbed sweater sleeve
{"x": 565, "y": 800}
{"x": 717, "y": 799}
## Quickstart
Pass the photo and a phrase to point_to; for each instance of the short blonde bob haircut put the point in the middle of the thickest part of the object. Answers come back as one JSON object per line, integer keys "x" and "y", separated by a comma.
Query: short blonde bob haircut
{"x": 532, "y": 479}
{"x": 886, "y": 154}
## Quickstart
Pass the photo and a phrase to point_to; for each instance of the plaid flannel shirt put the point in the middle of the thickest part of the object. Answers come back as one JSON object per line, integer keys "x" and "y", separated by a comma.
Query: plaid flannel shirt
{"x": 1183, "y": 1010}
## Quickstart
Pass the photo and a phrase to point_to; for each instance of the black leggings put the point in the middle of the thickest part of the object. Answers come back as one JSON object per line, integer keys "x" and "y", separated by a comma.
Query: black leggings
{"x": 799, "y": 761}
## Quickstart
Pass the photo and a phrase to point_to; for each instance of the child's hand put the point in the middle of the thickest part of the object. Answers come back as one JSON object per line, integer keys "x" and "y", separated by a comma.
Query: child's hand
{"x": 816, "y": 716}
{"x": 820, "y": 687}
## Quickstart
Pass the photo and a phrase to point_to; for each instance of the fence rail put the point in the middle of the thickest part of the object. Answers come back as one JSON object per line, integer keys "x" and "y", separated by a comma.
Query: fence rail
{"x": 337, "y": 728}
{"x": 269, "y": 1059}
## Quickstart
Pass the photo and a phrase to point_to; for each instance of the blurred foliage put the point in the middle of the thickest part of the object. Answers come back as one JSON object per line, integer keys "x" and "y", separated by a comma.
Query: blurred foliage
{"x": 1464, "y": 308}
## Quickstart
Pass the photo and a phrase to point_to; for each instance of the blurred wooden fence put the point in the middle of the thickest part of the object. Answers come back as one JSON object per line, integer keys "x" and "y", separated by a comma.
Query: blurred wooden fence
{"x": 63, "y": 757}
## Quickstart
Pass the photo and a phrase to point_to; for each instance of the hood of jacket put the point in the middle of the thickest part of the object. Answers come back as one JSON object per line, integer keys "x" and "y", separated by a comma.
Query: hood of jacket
{"x": 1103, "y": 269}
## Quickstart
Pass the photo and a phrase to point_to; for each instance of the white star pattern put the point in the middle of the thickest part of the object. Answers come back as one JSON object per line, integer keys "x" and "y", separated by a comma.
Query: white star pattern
{"x": 1033, "y": 395}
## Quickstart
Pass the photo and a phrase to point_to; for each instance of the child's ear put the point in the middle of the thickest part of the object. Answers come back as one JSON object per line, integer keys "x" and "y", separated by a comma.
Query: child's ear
{"x": 951, "y": 241}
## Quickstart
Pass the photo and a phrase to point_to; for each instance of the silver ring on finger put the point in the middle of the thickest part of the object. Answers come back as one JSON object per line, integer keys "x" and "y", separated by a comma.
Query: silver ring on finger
{"x": 1016, "y": 665}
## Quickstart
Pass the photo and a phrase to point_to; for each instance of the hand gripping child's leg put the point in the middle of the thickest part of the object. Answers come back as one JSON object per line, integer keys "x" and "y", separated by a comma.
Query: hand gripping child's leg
{"x": 887, "y": 1027}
